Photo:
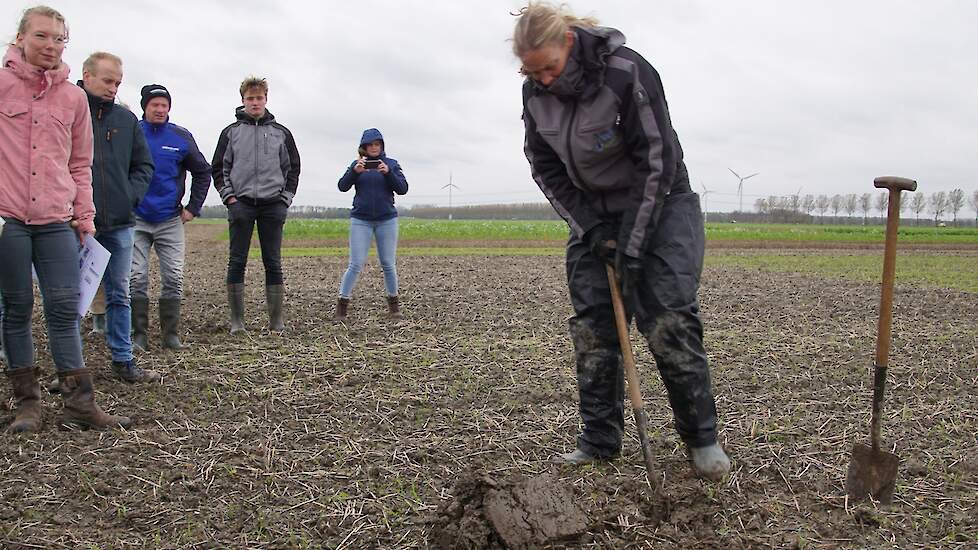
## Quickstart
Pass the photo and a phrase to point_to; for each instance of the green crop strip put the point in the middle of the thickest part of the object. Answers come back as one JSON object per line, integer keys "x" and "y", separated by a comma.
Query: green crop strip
{"x": 956, "y": 272}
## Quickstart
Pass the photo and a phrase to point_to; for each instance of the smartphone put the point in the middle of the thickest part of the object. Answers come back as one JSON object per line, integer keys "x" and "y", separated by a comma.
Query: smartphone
{"x": 371, "y": 164}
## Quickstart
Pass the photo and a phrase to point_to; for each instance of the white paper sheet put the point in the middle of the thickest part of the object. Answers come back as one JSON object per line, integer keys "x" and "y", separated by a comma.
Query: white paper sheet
{"x": 93, "y": 259}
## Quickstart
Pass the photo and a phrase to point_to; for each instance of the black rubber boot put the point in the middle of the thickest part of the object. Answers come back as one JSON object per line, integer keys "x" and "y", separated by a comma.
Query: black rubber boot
{"x": 140, "y": 322}
{"x": 236, "y": 305}
{"x": 170, "y": 323}
{"x": 275, "y": 301}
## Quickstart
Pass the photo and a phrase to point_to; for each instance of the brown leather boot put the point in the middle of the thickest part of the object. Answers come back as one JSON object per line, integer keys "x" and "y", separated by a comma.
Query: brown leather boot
{"x": 81, "y": 410}
{"x": 342, "y": 305}
{"x": 394, "y": 308}
{"x": 27, "y": 399}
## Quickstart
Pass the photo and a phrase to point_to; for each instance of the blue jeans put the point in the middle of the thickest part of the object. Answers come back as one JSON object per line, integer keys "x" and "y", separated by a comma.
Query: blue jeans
{"x": 362, "y": 232}
{"x": 53, "y": 249}
{"x": 118, "y": 315}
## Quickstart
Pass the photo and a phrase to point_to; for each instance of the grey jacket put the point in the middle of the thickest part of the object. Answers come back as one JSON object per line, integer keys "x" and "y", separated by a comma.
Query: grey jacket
{"x": 256, "y": 159}
{"x": 600, "y": 144}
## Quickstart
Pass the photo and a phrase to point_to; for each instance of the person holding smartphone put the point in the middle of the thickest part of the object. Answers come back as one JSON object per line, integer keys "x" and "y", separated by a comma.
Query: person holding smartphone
{"x": 376, "y": 178}
{"x": 46, "y": 202}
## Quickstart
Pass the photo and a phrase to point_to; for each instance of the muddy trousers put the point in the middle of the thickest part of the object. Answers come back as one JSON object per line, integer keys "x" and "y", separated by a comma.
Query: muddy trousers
{"x": 666, "y": 313}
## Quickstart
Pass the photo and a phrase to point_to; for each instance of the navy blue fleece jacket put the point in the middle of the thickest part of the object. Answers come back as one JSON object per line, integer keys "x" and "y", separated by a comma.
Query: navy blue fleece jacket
{"x": 374, "y": 199}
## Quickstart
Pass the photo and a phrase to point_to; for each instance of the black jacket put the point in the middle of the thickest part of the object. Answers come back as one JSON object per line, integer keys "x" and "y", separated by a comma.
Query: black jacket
{"x": 122, "y": 166}
{"x": 607, "y": 149}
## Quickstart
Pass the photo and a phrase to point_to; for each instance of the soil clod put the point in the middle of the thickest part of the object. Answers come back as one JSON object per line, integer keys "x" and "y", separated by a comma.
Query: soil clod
{"x": 527, "y": 513}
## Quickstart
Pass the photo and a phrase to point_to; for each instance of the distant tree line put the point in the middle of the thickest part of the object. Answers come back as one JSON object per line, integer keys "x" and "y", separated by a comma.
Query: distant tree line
{"x": 936, "y": 208}
{"x": 526, "y": 211}
{"x": 296, "y": 211}
{"x": 866, "y": 208}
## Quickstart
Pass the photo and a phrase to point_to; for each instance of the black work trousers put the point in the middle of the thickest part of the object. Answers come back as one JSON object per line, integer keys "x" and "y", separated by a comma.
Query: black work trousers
{"x": 666, "y": 312}
{"x": 243, "y": 215}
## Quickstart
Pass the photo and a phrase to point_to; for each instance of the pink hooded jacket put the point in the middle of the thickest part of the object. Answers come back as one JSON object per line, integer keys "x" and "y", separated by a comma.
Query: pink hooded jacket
{"x": 45, "y": 145}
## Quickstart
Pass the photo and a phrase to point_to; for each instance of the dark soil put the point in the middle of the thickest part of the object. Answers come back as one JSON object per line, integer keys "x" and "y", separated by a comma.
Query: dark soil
{"x": 378, "y": 433}
{"x": 529, "y": 513}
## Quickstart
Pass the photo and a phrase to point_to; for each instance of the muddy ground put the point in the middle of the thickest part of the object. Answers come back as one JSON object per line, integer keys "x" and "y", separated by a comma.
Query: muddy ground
{"x": 366, "y": 435}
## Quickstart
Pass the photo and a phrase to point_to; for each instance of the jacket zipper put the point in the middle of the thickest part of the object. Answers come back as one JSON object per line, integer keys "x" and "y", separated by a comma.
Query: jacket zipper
{"x": 257, "y": 158}
{"x": 101, "y": 167}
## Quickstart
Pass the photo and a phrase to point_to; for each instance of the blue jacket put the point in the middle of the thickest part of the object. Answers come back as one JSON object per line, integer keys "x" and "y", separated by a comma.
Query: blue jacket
{"x": 174, "y": 153}
{"x": 374, "y": 199}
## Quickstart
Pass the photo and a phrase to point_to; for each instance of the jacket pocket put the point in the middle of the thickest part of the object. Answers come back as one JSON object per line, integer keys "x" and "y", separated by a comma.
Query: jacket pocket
{"x": 13, "y": 109}
{"x": 58, "y": 126}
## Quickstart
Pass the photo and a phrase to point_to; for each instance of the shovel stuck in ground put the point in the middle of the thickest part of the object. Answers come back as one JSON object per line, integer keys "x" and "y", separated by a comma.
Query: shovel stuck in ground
{"x": 873, "y": 471}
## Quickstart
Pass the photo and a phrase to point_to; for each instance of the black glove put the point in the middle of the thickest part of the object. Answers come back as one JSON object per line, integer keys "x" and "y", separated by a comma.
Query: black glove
{"x": 601, "y": 240}
{"x": 630, "y": 272}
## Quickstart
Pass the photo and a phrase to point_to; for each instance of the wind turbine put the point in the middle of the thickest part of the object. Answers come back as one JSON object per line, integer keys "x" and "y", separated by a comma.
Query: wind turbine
{"x": 450, "y": 186}
{"x": 706, "y": 210}
{"x": 740, "y": 186}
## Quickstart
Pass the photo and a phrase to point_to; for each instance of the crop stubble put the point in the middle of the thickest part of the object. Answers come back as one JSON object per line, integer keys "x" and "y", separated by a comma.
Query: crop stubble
{"x": 354, "y": 436}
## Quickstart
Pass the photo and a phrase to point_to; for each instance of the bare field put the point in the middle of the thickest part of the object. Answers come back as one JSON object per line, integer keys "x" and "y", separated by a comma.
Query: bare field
{"x": 361, "y": 436}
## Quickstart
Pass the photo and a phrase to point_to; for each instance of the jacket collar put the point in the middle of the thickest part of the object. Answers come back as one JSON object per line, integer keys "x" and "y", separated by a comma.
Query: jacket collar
{"x": 592, "y": 46}
{"x": 96, "y": 102}
{"x": 14, "y": 60}
{"x": 241, "y": 115}
{"x": 155, "y": 126}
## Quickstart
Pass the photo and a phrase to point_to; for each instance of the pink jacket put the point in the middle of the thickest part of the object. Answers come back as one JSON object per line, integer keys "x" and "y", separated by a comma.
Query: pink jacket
{"x": 45, "y": 145}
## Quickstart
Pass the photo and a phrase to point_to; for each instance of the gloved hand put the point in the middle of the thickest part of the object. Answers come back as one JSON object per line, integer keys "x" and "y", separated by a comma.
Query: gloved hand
{"x": 601, "y": 240}
{"x": 630, "y": 272}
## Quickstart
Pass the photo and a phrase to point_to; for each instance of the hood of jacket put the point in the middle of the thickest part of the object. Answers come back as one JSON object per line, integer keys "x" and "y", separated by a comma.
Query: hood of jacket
{"x": 584, "y": 74}
{"x": 241, "y": 115}
{"x": 371, "y": 135}
{"x": 14, "y": 60}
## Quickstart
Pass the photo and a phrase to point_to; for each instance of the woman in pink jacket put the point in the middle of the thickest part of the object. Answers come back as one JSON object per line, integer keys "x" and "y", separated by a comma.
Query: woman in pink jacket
{"x": 45, "y": 200}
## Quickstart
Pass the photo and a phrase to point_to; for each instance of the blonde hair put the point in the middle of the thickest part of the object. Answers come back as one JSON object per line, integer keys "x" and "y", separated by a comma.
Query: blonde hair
{"x": 542, "y": 23}
{"x": 91, "y": 63}
{"x": 42, "y": 11}
{"x": 253, "y": 82}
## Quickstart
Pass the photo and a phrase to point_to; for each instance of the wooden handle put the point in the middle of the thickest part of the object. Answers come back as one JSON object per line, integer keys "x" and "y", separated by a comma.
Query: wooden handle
{"x": 894, "y": 183}
{"x": 889, "y": 270}
{"x": 631, "y": 374}
{"x": 621, "y": 323}
{"x": 884, "y": 328}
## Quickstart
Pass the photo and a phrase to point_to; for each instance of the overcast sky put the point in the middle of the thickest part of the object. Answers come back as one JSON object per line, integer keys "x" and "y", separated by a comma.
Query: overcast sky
{"x": 818, "y": 96}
